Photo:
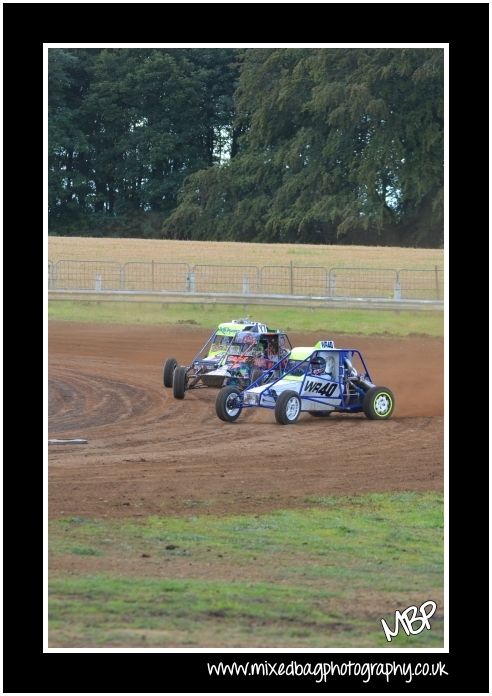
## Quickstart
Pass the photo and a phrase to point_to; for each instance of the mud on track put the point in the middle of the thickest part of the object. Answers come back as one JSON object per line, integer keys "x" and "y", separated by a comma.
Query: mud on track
{"x": 148, "y": 453}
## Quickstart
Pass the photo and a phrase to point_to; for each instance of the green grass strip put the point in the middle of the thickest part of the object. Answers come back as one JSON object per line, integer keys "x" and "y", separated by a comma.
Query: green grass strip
{"x": 326, "y": 321}
{"x": 323, "y": 576}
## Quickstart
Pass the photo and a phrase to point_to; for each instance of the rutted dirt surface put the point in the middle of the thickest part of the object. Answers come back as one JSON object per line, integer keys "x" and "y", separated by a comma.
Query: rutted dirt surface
{"x": 148, "y": 453}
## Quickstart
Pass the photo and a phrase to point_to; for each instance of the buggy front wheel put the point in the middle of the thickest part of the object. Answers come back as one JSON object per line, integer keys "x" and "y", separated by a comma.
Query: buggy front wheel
{"x": 378, "y": 403}
{"x": 228, "y": 405}
{"x": 179, "y": 382}
{"x": 288, "y": 407}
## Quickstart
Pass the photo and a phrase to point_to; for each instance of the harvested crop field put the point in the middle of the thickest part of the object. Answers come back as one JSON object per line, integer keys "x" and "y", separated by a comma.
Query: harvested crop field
{"x": 234, "y": 253}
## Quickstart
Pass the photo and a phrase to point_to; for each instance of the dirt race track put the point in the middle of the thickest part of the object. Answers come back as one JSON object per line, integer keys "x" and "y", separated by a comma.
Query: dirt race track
{"x": 149, "y": 454}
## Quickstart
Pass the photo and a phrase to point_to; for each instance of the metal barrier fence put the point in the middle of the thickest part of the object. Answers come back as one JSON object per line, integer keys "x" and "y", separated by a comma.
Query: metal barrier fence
{"x": 313, "y": 281}
{"x": 234, "y": 279}
{"x": 155, "y": 276}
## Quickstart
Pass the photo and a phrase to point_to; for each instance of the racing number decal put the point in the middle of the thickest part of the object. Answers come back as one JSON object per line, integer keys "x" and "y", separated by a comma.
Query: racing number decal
{"x": 320, "y": 388}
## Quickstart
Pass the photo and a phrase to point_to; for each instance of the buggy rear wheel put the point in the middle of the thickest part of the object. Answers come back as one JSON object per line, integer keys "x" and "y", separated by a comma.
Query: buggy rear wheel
{"x": 179, "y": 382}
{"x": 228, "y": 404}
{"x": 378, "y": 403}
{"x": 169, "y": 367}
{"x": 288, "y": 407}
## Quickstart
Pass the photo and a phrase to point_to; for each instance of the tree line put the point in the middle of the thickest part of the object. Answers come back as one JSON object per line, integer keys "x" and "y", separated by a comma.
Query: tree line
{"x": 271, "y": 145}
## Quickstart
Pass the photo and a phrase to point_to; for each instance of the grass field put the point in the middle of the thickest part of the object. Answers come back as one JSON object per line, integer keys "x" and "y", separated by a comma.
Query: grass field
{"x": 327, "y": 321}
{"x": 238, "y": 253}
{"x": 319, "y": 577}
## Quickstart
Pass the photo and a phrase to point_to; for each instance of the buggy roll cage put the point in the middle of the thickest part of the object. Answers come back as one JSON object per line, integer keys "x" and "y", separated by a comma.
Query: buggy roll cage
{"x": 344, "y": 375}
{"x": 220, "y": 332}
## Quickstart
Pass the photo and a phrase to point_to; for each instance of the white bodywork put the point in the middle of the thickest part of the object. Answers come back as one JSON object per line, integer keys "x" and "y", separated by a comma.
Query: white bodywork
{"x": 215, "y": 378}
{"x": 261, "y": 396}
{"x": 323, "y": 390}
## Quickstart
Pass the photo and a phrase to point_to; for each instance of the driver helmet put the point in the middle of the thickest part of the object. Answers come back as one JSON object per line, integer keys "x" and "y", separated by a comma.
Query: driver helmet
{"x": 318, "y": 365}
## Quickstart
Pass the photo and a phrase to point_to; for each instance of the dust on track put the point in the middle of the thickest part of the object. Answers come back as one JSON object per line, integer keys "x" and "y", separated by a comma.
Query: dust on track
{"x": 151, "y": 454}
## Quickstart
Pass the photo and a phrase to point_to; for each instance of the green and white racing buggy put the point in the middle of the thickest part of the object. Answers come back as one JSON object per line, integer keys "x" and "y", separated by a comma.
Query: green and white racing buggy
{"x": 318, "y": 380}
{"x": 228, "y": 357}
{"x": 248, "y": 356}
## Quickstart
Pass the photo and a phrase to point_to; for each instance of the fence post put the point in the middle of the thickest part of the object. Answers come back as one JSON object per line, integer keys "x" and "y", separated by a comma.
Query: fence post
{"x": 50, "y": 275}
{"x": 245, "y": 285}
{"x": 122, "y": 277}
{"x": 332, "y": 283}
{"x": 190, "y": 282}
{"x": 437, "y": 283}
{"x": 397, "y": 290}
{"x": 152, "y": 275}
{"x": 291, "y": 279}
{"x": 261, "y": 288}
{"x": 54, "y": 273}
{"x": 98, "y": 283}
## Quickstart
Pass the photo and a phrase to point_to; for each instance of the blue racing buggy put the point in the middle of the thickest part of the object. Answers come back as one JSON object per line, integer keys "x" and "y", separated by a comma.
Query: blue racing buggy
{"x": 318, "y": 380}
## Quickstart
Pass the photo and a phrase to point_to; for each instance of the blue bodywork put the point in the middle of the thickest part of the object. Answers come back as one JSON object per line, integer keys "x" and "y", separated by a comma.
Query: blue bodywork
{"x": 341, "y": 391}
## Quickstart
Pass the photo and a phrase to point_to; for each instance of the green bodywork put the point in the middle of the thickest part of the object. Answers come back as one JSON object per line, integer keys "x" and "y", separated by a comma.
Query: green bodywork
{"x": 228, "y": 329}
{"x": 297, "y": 355}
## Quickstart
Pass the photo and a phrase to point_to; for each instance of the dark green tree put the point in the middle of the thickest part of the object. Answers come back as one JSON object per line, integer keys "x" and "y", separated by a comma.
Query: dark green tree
{"x": 69, "y": 77}
{"x": 338, "y": 145}
{"x": 298, "y": 145}
{"x": 130, "y": 127}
